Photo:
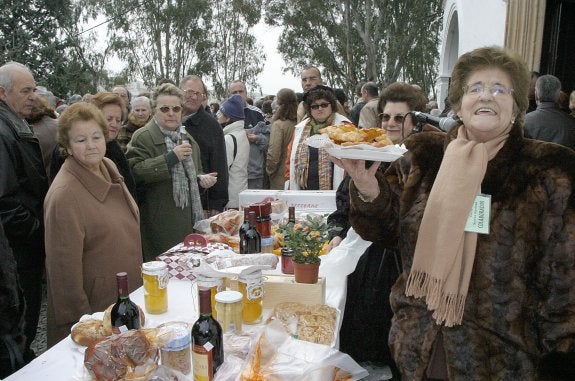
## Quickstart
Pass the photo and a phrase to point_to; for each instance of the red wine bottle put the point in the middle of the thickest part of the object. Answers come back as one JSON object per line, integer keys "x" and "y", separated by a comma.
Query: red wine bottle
{"x": 291, "y": 214}
{"x": 246, "y": 224}
{"x": 125, "y": 314}
{"x": 207, "y": 341}
{"x": 251, "y": 242}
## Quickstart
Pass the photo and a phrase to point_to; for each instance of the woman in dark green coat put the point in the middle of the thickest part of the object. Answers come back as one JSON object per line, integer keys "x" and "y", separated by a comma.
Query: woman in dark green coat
{"x": 167, "y": 174}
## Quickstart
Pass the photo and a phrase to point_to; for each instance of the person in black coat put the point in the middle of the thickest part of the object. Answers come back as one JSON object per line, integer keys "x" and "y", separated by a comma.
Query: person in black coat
{"x": 12, "y": 338}
{"x": 209, "y": 135}
{"x": 23, "y": 186}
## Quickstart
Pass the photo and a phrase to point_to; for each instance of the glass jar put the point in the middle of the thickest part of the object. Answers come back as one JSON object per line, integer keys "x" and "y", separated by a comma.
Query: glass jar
{"x": 155, "y": 277}
{"x": 176, "y": 354}
{"x": 267, "y": 244}
{"x": 215, "y": 286}
{"x": 252, "y": 288}
{"x": 287, "y": 264}
{"x": 229, "y": 307}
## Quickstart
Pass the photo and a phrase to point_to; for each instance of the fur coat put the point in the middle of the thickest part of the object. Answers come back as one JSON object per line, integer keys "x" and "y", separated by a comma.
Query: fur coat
{"x": 519, "y": 315}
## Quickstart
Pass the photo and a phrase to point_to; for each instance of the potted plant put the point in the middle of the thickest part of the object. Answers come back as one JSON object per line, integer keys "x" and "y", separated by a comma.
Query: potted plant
{"x": 308, "y": 239}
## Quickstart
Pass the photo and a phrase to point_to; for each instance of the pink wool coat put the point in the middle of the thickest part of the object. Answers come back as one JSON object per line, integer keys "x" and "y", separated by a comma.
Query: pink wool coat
{"x": 92, "y": 232}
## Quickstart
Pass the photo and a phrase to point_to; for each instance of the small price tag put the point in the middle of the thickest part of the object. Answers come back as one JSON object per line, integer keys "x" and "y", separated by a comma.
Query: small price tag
{"x": 208, "y": 346}
{"x": 478, "y": 220}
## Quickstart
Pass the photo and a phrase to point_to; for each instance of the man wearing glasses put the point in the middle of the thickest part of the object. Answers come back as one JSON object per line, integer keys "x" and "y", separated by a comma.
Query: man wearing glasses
{"x": 210, "y": 137}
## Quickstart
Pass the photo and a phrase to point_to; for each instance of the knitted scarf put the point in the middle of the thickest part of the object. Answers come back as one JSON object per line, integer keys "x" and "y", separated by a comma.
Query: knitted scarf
{"x": 444, "y": 253}
{"x": 184, "y": 179}
{"x": 301, "y": 160}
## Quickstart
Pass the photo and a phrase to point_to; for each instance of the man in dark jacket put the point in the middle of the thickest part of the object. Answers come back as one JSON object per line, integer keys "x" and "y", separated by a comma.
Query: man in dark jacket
{"x": 23, "y": 186}
{"x": 548, "y": 122}
{"x": 207, "y": 132}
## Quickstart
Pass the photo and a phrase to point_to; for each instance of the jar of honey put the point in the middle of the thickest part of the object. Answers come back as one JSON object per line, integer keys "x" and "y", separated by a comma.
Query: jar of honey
{"x": 252, "y": 288}
{"x": 155, "y": 277}
{"x": 229, "y": 307}
{"x": 215, "y": 286}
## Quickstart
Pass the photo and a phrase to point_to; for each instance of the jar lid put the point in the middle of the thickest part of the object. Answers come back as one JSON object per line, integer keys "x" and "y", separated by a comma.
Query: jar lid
{"x": 154, "y": 266}
{"x": 287, "y": 251}
{"x": 228, "y": 296}
{"x": 256, "y": 274}
{"x": 181, "y": 337}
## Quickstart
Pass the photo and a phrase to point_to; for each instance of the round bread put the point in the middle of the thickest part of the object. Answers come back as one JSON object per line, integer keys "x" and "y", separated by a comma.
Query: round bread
{"x": 88, "y": 332}
{"x": 107, "y": 320}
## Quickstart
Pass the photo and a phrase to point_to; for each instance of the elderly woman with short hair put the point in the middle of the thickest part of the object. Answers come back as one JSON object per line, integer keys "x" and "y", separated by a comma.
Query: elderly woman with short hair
{"x": 167, "y": 173}
{"x": 92, "y": 224}
{"x": 485, "y": 222}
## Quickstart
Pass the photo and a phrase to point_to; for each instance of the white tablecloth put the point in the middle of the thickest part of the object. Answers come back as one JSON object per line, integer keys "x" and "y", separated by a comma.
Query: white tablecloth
{"x": 64, "y": 361}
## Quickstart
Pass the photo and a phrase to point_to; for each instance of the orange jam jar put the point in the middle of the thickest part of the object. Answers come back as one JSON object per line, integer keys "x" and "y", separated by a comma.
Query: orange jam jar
{"x": 155, "y": 277}
{"x": 252, "y": 288}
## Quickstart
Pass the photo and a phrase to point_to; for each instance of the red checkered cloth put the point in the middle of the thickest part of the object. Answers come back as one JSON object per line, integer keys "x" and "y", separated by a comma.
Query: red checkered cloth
{"x": 176, "y": 257}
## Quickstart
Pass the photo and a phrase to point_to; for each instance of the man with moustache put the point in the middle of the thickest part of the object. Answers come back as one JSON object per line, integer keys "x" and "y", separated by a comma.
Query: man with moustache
{"x": 23, "y": 186}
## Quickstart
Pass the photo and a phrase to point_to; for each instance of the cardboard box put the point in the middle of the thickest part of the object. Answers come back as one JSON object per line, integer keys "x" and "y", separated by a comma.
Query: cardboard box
{"x": 283, "y": 288}
{"x": 309, "y": 201}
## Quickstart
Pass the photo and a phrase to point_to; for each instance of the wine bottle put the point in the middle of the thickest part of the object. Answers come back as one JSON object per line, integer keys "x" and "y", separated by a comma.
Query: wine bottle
{"x": 251, "y": 243}
{"x": 246, "y": 224}
{"x": 207, "y": 341}
{"x": 183, "y": 136}
{"x": 291, "y": 214}
{"x": 125, "y": 314}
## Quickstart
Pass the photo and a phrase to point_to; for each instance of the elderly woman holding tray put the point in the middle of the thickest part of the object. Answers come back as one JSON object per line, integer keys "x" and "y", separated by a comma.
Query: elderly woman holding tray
{"x": 485, "y": 223}
{"x": 310, "y": 168}
{"x": 167, "y": 170}
{"x": 92, "y": 224}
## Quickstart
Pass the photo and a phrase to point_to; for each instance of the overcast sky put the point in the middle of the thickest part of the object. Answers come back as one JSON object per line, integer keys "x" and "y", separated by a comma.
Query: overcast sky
{"x": 272, "y": 79}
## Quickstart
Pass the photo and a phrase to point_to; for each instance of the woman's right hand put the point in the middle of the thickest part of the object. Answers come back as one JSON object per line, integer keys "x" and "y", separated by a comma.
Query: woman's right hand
{"x": 363, "y": 178}
{"x": 183, "y": 151}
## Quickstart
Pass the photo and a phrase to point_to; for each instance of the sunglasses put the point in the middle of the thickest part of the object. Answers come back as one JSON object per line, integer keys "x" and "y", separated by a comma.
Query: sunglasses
{"x": 321, "y": 105}
{"x": 166, "y": 109}
{"x": 396, "y": 118}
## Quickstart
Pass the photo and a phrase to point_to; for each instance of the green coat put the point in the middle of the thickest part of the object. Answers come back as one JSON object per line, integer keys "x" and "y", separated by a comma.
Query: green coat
{"x": 162, "y": 225}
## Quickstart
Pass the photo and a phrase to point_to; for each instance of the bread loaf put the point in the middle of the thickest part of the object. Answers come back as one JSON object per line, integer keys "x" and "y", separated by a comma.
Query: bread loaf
{"x": 88, "y": 332}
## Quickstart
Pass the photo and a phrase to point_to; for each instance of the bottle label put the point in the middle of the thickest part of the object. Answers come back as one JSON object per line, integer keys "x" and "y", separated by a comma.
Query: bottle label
{"x": 163, "y": 280}
{"x": 120, "y": 329}
{"x": 203, "y": 361}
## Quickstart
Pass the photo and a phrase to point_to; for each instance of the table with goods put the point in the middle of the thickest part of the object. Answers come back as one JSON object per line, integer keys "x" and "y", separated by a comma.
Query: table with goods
{"x": 208, "y": 312}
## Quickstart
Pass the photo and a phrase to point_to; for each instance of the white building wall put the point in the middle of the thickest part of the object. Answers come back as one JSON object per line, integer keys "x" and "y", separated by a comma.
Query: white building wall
{"x": 467, "y": 24}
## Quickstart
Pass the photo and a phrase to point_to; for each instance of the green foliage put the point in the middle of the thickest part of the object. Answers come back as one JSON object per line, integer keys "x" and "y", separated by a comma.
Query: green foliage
{"x": 359, "y": 40}
{"x": 307, "y": 238}
{"x": 35, "y": 33}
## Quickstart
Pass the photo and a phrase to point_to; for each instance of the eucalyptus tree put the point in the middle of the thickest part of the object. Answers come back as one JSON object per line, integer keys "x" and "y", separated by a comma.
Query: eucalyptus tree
{"x": 42, "y": 34}
{"x": 235, "y": 53}
{"x": 358, "y": 40}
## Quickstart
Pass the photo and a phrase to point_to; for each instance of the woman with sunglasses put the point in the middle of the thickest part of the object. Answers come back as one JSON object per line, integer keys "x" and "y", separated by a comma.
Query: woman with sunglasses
{"x": 167, "y": 169}
{"x": 310, "y": 168}
{"x": 367, "y": 317}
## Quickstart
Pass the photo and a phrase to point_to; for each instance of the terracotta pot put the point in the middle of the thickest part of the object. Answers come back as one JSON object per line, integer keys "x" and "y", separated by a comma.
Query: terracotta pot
{"x": 306, "y": 272}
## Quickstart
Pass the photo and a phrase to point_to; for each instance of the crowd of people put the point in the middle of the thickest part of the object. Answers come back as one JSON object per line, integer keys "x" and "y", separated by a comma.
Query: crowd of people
{"x": 113, "y": 179}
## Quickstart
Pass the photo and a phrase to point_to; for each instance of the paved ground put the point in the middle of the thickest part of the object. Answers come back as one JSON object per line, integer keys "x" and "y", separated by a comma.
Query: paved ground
{"x": 39, "y": 343}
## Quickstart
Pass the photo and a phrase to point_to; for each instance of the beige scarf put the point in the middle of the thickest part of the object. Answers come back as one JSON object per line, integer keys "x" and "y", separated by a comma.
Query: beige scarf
{"x": 444, "y": 253}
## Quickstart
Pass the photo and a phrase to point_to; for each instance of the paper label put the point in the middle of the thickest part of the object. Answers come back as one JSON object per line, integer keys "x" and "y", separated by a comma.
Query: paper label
{"x": 478, "y": 220}
{"x": 202, "y": 360}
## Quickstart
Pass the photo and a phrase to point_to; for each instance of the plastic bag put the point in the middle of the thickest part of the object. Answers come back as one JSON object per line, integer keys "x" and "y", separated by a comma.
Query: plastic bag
{"x": 277, "y": 356}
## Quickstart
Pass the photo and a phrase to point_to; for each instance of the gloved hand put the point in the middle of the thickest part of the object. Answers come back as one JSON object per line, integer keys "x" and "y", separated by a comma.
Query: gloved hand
{"x": 208, "y": 180}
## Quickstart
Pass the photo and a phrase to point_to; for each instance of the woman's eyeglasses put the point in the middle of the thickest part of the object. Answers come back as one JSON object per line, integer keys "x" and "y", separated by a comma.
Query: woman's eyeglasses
{"x": 318, "y": 106}
{"x": 166, "y": 109}
{"x": 479, "y": 88}
{"x": 398, "y": 118}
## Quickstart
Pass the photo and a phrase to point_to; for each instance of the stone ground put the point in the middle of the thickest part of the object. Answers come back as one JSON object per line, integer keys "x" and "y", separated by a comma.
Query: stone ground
{"x": 376, "y": 372}
{"x": 39, "y": 344}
